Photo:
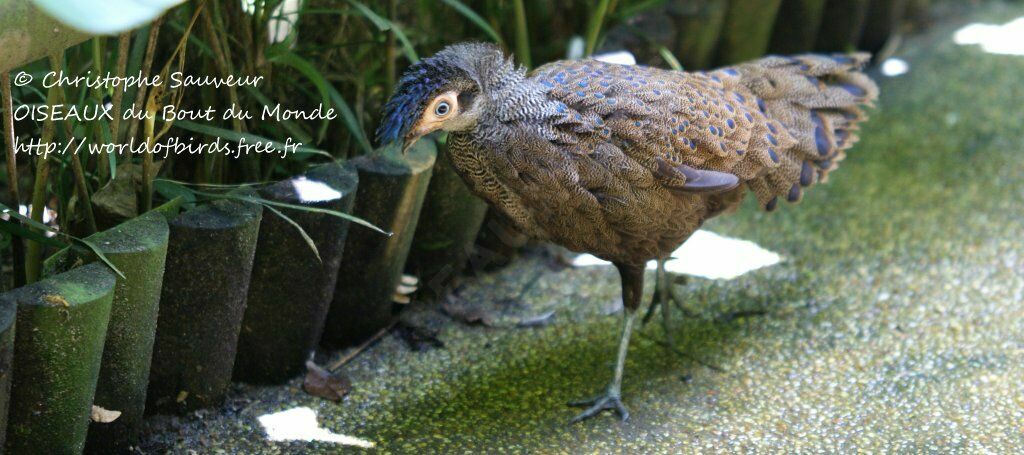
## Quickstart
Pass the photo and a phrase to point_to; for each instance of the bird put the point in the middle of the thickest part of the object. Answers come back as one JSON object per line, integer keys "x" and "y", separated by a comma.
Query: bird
{"x": 625, "y": 162}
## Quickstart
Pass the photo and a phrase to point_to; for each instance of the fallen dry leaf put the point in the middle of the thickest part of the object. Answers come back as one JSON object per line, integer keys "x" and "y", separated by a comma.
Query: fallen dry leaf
{"x": 101, "y": 415}
{"x": 54, "y": 299}
{"x": 322, "y": 383}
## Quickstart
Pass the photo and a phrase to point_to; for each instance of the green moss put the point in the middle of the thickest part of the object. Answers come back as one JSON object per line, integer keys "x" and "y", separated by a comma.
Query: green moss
{"x": 138, "y": 249}
{"x": 62, "y": 324}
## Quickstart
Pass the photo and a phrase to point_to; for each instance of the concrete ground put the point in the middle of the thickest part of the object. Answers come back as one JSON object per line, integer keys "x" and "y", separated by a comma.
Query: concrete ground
{"x": 895, "y": 323}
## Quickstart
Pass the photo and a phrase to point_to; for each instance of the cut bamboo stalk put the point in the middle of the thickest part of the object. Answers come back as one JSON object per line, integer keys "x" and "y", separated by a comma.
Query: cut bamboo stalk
{"x": 747, "y": 30}
{"x": 882, "y": 21}
{"x": 447, "y": 229}
{"x": 698, "y": 29}
{"x": 796, "y": 27}
{"x": 28, "y": 34}
{"x": 61, "y": 328}
{"x": 390, "y": 195}
{"x": 291, "y": 288}
{"x": 8, "y": 313}
{"x": 209, "y": 260}
{"x": 841, "y": 25}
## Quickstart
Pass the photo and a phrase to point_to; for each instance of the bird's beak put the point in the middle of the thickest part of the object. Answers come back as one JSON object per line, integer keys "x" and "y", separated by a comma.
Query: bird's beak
{"x": 409, "y": 140}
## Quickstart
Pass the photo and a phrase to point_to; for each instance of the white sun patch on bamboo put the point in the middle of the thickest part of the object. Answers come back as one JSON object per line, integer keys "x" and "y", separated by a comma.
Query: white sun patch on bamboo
{"x": 707, "y": 255}
{"x": 1006, "y": 39}
{"x": 314, "y": 191}
{"x": 299, "y": 424}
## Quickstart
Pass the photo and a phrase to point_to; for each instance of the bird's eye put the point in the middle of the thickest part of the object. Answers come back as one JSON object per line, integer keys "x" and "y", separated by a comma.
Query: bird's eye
{"x": 442, "y": 109}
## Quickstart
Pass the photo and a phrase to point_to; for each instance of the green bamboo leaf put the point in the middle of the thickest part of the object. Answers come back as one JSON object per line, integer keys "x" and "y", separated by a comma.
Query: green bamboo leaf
{"x": 351, "y": 122}
{"x": 15, "y": 228}
{"x": 385, "y": 25}
{"x": 670, "y": 59}
{"x": 261, "y": 201}
{"x": 290, "y": 125}
{"x": 280, "y": 54}
{"x": 99, "y": 254}
{"x": 475, "y": 19}
{"x": 302, "y": 232}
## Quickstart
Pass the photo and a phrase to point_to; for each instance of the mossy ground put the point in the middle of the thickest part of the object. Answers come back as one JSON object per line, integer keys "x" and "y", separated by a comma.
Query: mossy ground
{"x": 895, "y": 324}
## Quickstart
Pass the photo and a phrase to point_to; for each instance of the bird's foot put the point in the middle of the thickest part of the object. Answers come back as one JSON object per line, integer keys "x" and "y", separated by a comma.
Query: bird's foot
{"x": 608, "y": 401}
{"x": 665, "y": 296}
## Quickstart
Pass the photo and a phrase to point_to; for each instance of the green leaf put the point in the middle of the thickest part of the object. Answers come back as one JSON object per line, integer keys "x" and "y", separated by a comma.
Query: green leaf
{"x": 99, "y": 254}
{"x": 302, "y": 232}
{"x": 39, "y": 236}
{"x": 105, "y": 17}
{"x": 475, "y": 19}
{"x": 384, "y": 25}
{"x": 670, "y": 59}
{"x": 16, "y": 229}
{"x": 262, "y": 201}
{"x": 290, "y": 125}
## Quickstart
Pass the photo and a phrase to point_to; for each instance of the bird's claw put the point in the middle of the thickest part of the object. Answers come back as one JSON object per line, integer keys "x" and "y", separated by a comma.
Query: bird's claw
{"x": 605, "y": 402}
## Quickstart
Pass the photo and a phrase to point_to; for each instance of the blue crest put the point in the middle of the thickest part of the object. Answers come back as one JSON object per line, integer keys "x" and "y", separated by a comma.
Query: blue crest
{"x": 417, "y": 85}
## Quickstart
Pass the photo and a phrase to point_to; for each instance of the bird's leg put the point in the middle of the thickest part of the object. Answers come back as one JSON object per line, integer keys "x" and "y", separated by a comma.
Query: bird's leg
{"x": 663, "y": 296}
{"x": 611, "y": 399}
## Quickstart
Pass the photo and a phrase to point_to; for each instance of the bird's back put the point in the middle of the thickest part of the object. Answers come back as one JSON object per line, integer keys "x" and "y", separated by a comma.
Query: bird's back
{"x": 612, "y": 169}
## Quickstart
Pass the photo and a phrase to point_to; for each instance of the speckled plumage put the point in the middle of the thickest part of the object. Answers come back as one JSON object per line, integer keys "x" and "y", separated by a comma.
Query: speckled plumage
{"x": 590, "y": 155}
{"x": 626, "y": 162}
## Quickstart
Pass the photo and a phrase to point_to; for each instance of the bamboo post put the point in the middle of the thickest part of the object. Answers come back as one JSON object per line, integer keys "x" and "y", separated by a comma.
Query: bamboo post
{"x": 698, "y": 27}
{"x": 8, "y": 313}
{"x": 747, "y": 30}
{"x": 61, "y": 328}
{"x": 291, "y": 289}
{"x": 390, "y": 195}
{"x": 883, "y": 20}
{"x": 447, "y": 229}
{"x": 28, "y": 34}
{"x": 841, "y": 25}
{"x": 209, "y": 260}
{"x": 797, "y": 26}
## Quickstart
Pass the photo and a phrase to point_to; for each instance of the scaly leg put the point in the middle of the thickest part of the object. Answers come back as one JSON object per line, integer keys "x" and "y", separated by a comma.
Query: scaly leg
{"x": 663, "y": 296}
{"x": 611, "y": 399}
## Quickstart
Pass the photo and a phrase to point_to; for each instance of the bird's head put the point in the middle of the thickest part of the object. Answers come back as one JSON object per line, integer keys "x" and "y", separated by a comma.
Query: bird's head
{"x": 438, "y": 93}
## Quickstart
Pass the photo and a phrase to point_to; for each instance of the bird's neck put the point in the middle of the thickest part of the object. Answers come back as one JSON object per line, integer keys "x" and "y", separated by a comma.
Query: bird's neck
{"x": 513, "y": 99}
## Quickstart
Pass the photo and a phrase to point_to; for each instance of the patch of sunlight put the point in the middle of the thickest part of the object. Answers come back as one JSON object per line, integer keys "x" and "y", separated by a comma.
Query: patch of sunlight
{"x": 620, "y": 57}
{"x": 893, "y": 67}
{"x": 299, "y": 424}
{"x": 577, "y": 47}
{"x": 708, "y": 255}
{"x": 314, "y": 191}
{"x": 1006, "y": 39}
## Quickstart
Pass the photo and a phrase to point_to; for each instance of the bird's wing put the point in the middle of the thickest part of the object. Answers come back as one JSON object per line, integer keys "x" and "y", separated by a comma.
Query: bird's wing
{"x": 677, "y": 123}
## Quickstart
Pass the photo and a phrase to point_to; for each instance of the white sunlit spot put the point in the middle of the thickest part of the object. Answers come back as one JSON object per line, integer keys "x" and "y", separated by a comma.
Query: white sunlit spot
{"x": 708, "y": 255}
{"x": 1006, "y": 39}
{"x": 314, "y": 191}
{"x": 299, "y": 424}
{"x": 893, "y": 67}
{"x": 620, "y": 57}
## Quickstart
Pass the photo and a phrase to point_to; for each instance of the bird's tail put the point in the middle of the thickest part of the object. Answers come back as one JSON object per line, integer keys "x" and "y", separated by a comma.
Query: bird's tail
{"x": 819, "y": 100}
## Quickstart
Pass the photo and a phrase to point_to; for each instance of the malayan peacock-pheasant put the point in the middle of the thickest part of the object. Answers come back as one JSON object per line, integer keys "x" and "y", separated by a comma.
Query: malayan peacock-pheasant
{"x": 626, "y": 162}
